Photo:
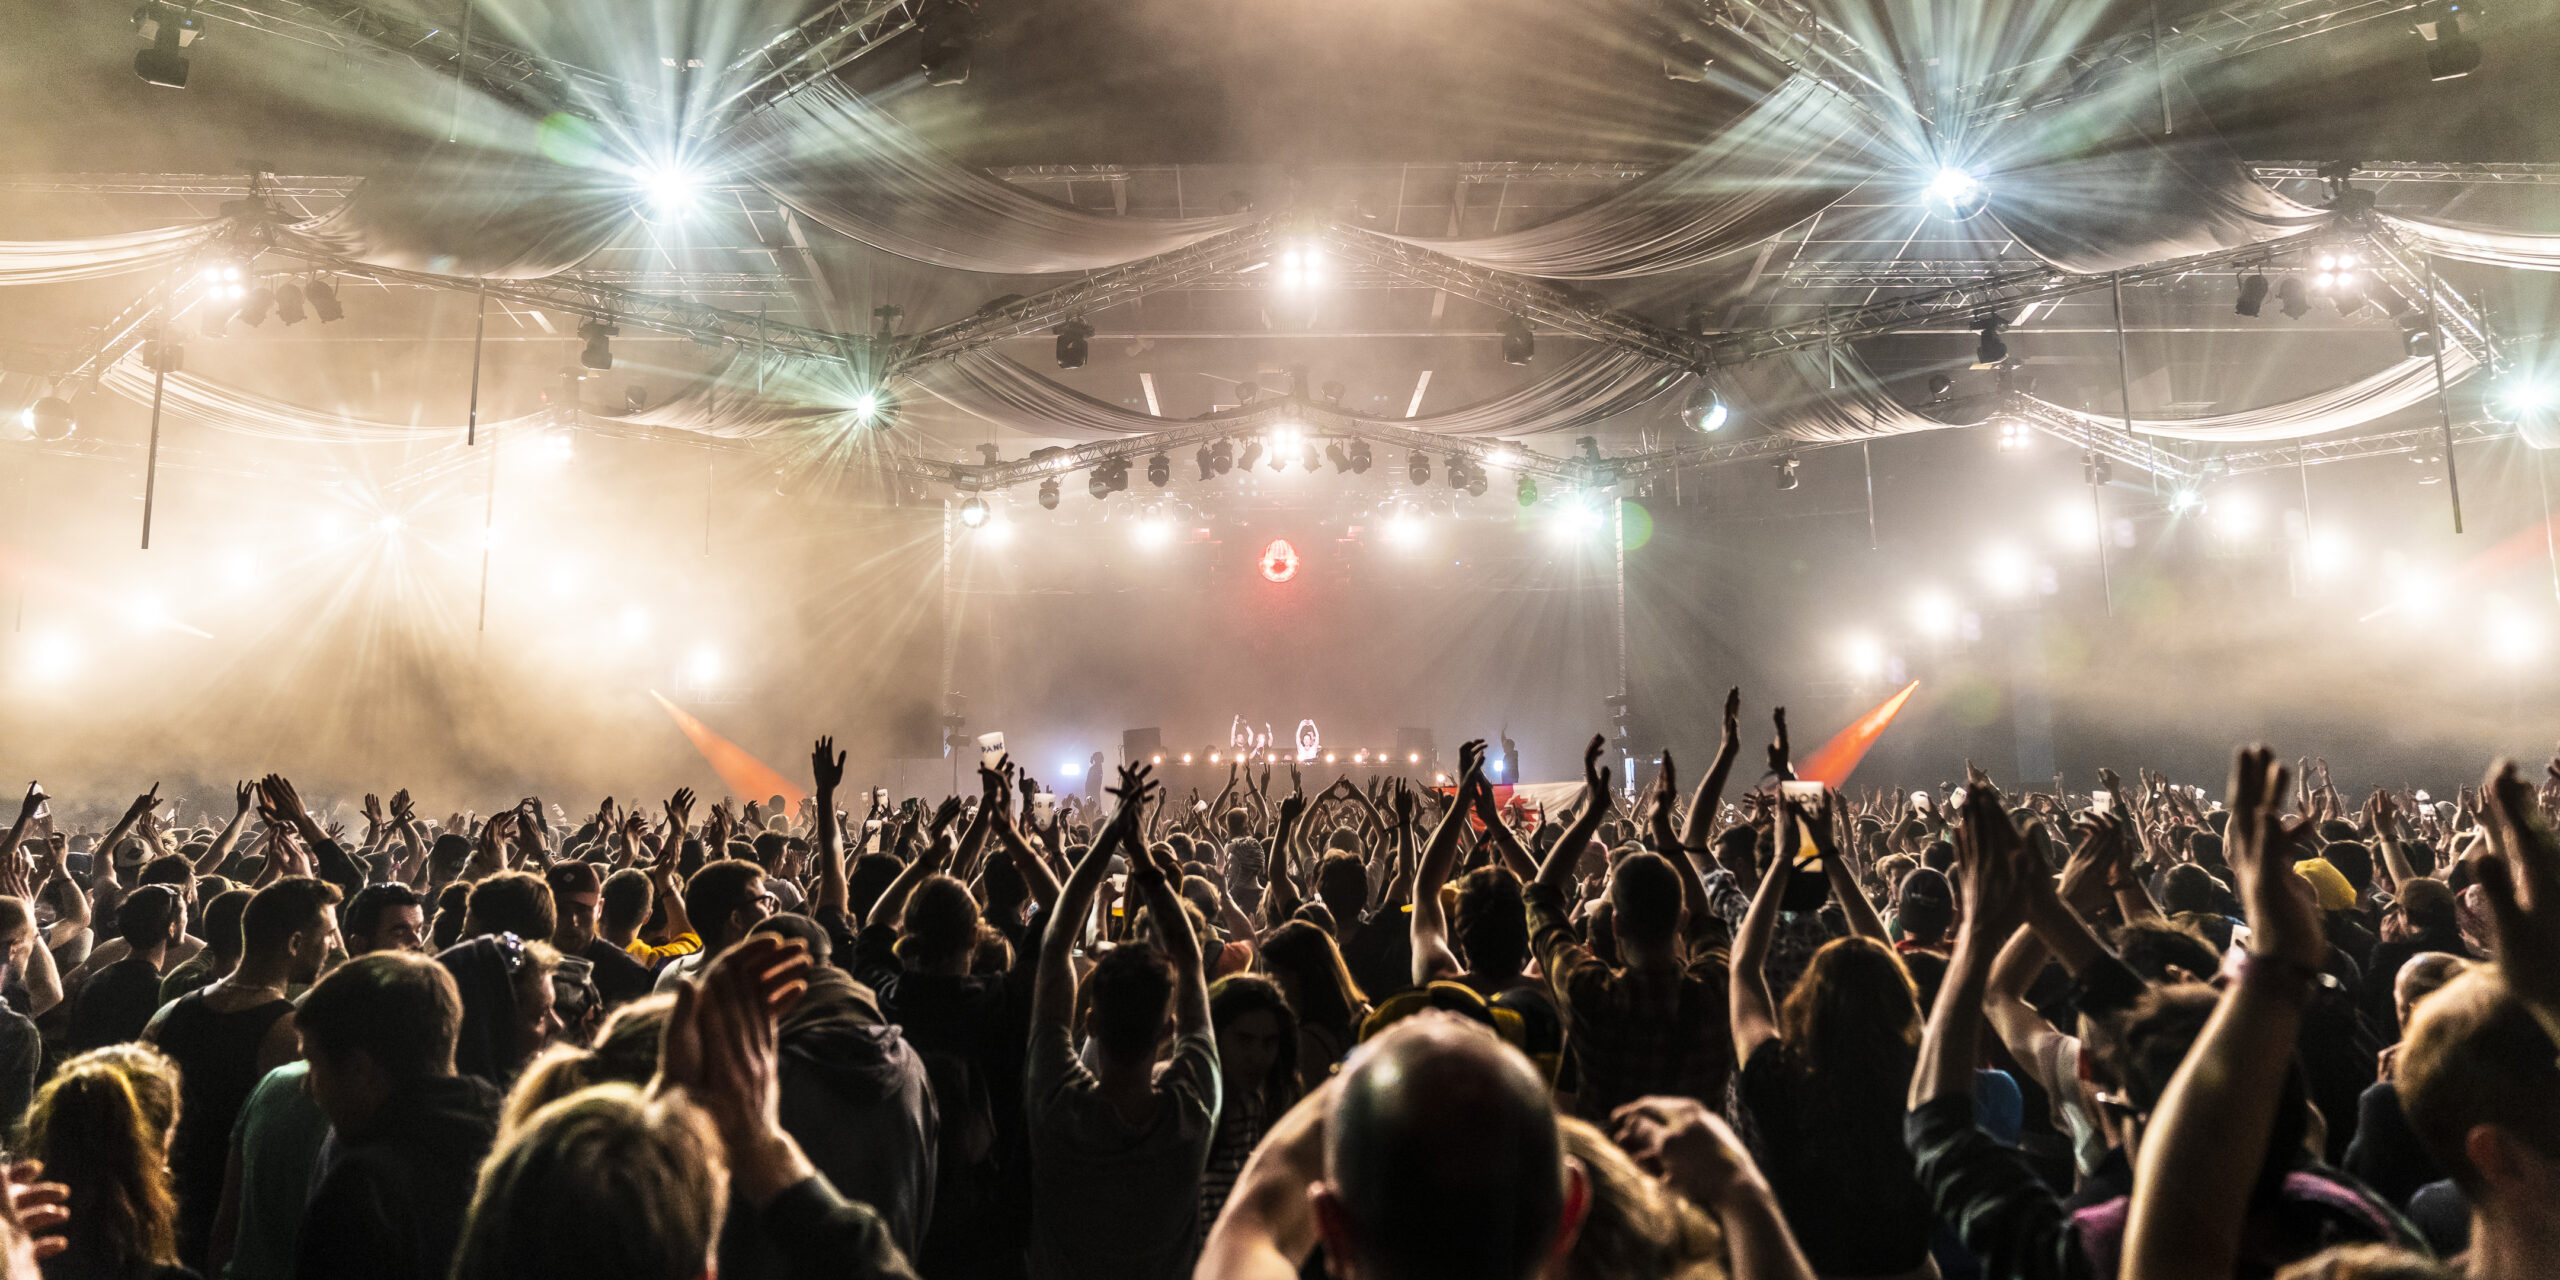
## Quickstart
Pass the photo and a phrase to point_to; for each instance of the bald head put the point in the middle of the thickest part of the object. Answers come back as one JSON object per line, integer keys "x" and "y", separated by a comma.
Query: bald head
{"x": 1442, "y": 1159}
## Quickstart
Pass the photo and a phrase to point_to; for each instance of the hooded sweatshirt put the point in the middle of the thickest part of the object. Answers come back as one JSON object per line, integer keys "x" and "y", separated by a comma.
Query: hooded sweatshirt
{"x": 485, "y": 1048}
{"x": 856, "y": 1098}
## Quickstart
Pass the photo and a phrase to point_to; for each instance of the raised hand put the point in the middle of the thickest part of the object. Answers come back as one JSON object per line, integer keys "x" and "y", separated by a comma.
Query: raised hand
{"x": 1990, "y": 861}
{"x": 679, "y": 814}
{"x": 142, "y": 804}
{"x": 2284, "y": 915}
{"x": 2523, "y": 887}
{"x": 243, "y": 795}
{"x": 1779, "y": 753}
{"x": 1733, "y": 715}
{"x": 1595, "y": 776}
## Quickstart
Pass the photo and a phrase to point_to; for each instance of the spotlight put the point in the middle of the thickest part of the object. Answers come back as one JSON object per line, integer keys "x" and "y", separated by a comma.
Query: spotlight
{"x": 254, "y": 307}
{"x": 1186, "y": 757}
{"x": 599, "y": 336}
{"x": 866, "y": 405}
{"x": 1528, "y": 492}
{"x": 2098, "y": 470}
{"x": 973, "y": 513}
{"x": 50, "y": 419}
{"x": 1460, "y": 468}
{"x": 668, "y": 191}
{"x": 1705, "y": 410}
{"x": 1222, "y": 455}
{"x": 1073, "y": 344}
{"x": 323, "y": 298}
{"x": 1341, "y": 461}
{"x": 1208, "y": 463}
{"x": 2253, "y": 294}
{"x": 1098, "y": 484}
{"x": 2007, "y": 571}
{"x": 1990, "y": 352}
{"x": 2013, "y": 436}
{"x": 2417, "y": 339}
{"x": 1310, "y": 457}
{"x": 289, "y": 303}
{"x": 1939, "y": 385}
{"x": 943, "y": 49}
{"x": 2291, "y": 299}
{"x": 1954, "y": 194}
{"x": 1787, "y": 479}
{"x": 168, "y": 31}
{"x": 2236, "y": 517}
{"x": 1476, "y": 482}
{"x": 1049, "y": 494}
{"x": 1405, "y": 529}
{"x": 1519, "y": 346}
{"x": 1155, "y": 531}
{"x": 1359, "y": 457}
{"x": 1418, "y": 469}
{"x": 1118, "y": 471}
{"x": 1935, "y": 613}
{"x": 2185, "y": 500}
{"x": 1252, "y": 453}
{"x": 2520, "y": 395}
{"x": 1159, "y": 470}
{"x": 1863, "y": 656}
{"x": 704, "y": 666}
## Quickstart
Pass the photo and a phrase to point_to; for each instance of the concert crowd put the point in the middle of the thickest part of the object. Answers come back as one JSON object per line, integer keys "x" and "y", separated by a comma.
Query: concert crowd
{"x": 1757, "y": 1028}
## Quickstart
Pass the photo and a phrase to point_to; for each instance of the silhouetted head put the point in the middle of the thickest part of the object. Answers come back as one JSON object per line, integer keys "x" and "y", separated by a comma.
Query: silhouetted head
{"x": 1442, "y": 1160}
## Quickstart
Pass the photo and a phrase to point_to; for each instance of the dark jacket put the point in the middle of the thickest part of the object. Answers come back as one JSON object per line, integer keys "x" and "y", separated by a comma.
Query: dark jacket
{"x": 856, "y": 1098}
{"x": 486, "y": 1046}
{"x": 388, "y": 1203}
{"x": 818, "y": 1234}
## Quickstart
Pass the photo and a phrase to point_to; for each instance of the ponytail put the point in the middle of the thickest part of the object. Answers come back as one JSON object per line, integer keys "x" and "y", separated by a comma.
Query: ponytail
{"x": 103, "y": 1133}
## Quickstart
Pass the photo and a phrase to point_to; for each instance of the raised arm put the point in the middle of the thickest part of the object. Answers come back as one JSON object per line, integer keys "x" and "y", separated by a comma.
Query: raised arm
{"x": 1754, "y": 1015}
{"x": 2384, "y": 817}
{"x": 27, "y": 807}
{"x": 1154, "y": 874}
{"x": 1280, "y": 889}
{"x": 893, "y": 900}
{"x": 1700, "y": 824}
{"x": 1863, "y": 920}
{"x": 1053, "y": 984}
{"x": 2004, "y": 1002}
{"x": 1557, "y": 871}
{"x": 826, "y": 768}
{"x": 2208, "y": 1137}
{"x": 1693, "y": 888}
{"x": 1432, "y": 958}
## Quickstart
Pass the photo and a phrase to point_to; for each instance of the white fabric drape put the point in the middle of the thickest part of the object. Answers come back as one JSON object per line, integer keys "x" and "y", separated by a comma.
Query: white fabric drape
{"x": 249, "y": 414}
{"x": 2403, "y": 385}
{"x": 2471, "y": 242}
{"x": 1834, "y": 398}
{"x": 500, "y": 216}
{"x": 56, "y": 261}
{"x": 2093, "y": 187}
{"x": 1791, "y": 156}
{"x": 1582, "y": 393}
{"x": 848, "y": 166}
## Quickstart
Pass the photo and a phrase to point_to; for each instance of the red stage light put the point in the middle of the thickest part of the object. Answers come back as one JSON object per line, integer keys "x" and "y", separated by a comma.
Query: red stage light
{"x": 1279, "y": 560}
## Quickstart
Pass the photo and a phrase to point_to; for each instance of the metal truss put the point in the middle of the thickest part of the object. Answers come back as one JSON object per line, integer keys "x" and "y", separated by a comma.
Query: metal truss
{"x": 230, "y": 186}
{"x": 2313, "y": 453}
{"x": 2414, "y": 171}
{"x": 1481, "y": 172}
{"x": 543, "y": 84}
{"x": 1529, "y": 299}
{"x": 707, "y": 325}
{"x": 2113, "y": 442}
{"x": 1094, "y": 293}
{"x": 2225, "y": 32}
{"x": 120, "y": 335}
{"x": 821, "y": 44}
{"x": 2407, "y": 274}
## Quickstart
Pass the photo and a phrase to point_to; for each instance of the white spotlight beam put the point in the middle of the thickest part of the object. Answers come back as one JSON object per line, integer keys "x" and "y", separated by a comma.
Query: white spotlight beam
{"x": 544, "y": 84}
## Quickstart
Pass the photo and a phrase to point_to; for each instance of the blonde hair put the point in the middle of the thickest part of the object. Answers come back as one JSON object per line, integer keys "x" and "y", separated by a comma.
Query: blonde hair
{"x": 101, "y": 1126}
{"x": 1636, "y": 1226}
{"x": 608, "y": 1183}
{"x": 625, "y": 1052}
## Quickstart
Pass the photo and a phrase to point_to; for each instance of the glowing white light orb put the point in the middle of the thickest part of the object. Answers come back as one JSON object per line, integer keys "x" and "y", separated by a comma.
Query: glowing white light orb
{"x": 51, "y": 656}
{"x": 2185, "y": 500}
{"x": 147, "y": 612}
{"x": 635, "y": 623}
{"x": 1935, "y": 613}
{"x": 1071, "y": 769}
{"x": 1504, "y": 458}
{"x": 1406, "y": 530}
{"x": 390, "y": 524}
{"x": 705, "y": 666}
{"x": 239, "y": 568}
{"x": 1954, "y": 193}
{"x": 2528, "y": 395}
{"x": 670, "y": 189}
{"x": 2074, "y": 524}
{"x": 866, "y": 406}
{"x": 2418, "y": 593}
{"x": 1154, "y": 532}
{"x": 1862, "y": 655}
{"x": 973, "y": 513}
{"x": 2326, "y": 552}
{"x": 2007, "y": 570}
{"x": 2236, "y": 516}
{"x": 2514, "y": 637}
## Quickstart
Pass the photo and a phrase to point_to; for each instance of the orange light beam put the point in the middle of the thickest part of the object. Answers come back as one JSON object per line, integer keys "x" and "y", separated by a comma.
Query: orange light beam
{"x": 1839, "y": 757}
{"x": 745, "y": 775}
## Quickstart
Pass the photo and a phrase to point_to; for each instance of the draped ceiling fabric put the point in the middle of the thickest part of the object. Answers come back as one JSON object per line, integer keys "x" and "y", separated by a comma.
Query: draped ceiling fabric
{"x": 501, "y": 216}
{"x": 1793, "y": 395}
{"x": 56, "y": 261}
{"x": 2403, "y": 385}
{"x": 246, "y": 413}
{"x": 2472, "y": 242}
{"x": 2091, "y": 187}
{"x": 848, "y": 166}
{"x": 751, "y": 395}
{"x": 1791, "y": 156}
{"x": 1587, "y": 390}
